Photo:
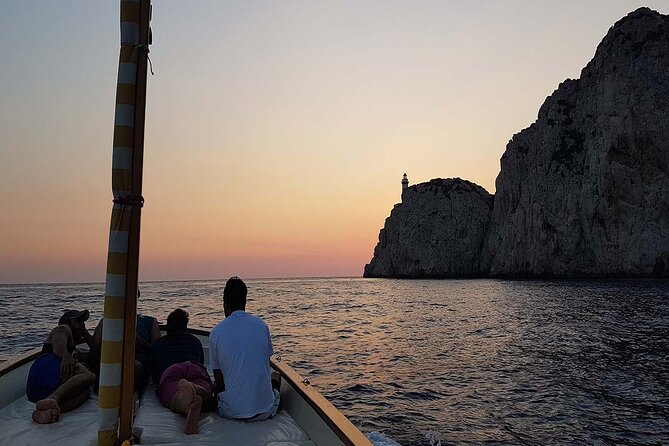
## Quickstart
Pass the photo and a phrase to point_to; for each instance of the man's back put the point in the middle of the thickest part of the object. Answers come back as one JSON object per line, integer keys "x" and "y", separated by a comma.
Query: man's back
{"x": 240, "y": 346}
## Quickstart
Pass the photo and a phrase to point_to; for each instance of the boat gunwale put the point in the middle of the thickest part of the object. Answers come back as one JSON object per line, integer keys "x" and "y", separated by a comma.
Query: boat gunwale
{"x": 345, "y": 430}
{"x": 16, "y": 361}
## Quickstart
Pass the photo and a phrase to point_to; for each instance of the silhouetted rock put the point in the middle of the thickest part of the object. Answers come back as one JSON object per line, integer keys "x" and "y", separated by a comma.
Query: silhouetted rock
{"x": 437, "y": 231}
{"x": 584, "y": 191}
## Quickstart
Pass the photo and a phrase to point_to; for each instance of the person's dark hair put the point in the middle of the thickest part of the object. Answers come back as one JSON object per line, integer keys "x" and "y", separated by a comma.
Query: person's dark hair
{"x": 234, "y": 294}
{"x": 177, "y": 322}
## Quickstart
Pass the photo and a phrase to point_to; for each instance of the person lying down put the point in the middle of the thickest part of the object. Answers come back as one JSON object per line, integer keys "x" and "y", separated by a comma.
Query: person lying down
{"x": 183, "y": 383}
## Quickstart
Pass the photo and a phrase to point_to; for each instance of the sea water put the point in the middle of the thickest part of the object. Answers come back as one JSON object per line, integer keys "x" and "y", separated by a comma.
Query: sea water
{"x": 423, "y": 362}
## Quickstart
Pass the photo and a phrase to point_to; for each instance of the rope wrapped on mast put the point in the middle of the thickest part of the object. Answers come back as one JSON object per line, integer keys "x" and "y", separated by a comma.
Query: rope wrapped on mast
{"x": 115, "y": 397}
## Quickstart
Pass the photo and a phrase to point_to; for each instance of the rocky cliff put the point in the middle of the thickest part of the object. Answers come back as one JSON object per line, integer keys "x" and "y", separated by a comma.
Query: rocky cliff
{"x": 584, "y": 191}
{"x": 437, "y": 231}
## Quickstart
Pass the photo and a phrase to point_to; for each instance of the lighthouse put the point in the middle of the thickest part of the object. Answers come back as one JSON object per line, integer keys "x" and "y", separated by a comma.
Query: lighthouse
{"x": 405, "y": 184}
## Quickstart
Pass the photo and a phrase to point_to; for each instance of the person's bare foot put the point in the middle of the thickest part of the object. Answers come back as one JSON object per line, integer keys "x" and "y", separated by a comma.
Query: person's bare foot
{"x": 46, "y": 411}
{"x": 192, "y": 402}
{"x": 47, "y": 403}
{"x": 193, "y": 416}
{"x": 46, "y": 416}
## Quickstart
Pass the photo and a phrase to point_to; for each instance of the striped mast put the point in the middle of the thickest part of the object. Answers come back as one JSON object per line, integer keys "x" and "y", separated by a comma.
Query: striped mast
{"x": 115, "y": 398}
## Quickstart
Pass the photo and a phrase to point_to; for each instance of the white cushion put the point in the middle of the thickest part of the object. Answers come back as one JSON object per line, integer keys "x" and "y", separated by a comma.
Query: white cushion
{"x": 159, "y": 425}
{"x": 162, "y": 426}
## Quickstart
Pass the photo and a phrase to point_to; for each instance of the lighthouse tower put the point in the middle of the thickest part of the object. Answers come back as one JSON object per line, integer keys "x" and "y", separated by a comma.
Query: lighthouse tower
{"x": 405, "y": 184}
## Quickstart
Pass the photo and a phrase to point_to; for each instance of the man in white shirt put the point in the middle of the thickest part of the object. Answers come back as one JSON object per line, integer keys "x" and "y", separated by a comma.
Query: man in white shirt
{"x": 239, "y": 352}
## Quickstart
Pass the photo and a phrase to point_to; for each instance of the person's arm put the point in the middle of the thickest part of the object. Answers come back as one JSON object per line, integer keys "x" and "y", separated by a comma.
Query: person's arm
{"x": 155, "y": 330}
{"x": 86, "y": 336}
{"x": 270, "y": 347}
{"x": 154, "y": 364}
{"x": 141, "y": 343}
{"x": 83, "y": 335}
{"x": 201, "y": 352}
{"x": 219, "y": 385}
{"x": 61, "y": 336}
{"x": 97, "y": 335}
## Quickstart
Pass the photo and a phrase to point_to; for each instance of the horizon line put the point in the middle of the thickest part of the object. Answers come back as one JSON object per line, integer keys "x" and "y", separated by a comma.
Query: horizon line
{"x": 180, "y": 280}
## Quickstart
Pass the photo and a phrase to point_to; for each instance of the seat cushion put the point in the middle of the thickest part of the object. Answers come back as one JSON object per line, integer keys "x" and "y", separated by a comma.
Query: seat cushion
{"x": 79, "y": 426}
{"x": 159, "y": 425}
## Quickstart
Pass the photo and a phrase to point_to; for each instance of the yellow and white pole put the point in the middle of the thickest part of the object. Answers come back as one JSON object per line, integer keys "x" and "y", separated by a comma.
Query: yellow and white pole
{"x": 115, "y": 397}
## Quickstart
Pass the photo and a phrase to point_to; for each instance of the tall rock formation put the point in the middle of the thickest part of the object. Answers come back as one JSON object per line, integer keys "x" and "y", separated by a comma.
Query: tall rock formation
{"x": 585, "y": 189}
{"x": 437, "y": 231}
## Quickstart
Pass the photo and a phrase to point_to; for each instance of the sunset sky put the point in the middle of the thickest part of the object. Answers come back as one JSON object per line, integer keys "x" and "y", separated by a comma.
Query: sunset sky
{"x": 277, "y": 132}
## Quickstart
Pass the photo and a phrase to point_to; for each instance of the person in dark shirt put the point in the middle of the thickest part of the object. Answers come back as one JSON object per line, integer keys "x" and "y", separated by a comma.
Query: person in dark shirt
{"x": 183, "y": 383}
{"x": 147, "y": 331}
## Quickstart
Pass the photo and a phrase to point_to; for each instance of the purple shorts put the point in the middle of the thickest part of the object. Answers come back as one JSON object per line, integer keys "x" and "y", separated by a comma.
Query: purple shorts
{"x": 190, "y": 371}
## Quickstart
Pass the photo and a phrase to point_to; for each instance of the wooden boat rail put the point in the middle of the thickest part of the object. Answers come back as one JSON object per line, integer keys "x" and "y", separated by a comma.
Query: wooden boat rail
{"x": 17, "y": 361}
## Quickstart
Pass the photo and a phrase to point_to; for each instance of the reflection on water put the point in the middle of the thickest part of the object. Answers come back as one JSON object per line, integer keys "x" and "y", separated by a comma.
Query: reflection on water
{"x": 418, "y": 362}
